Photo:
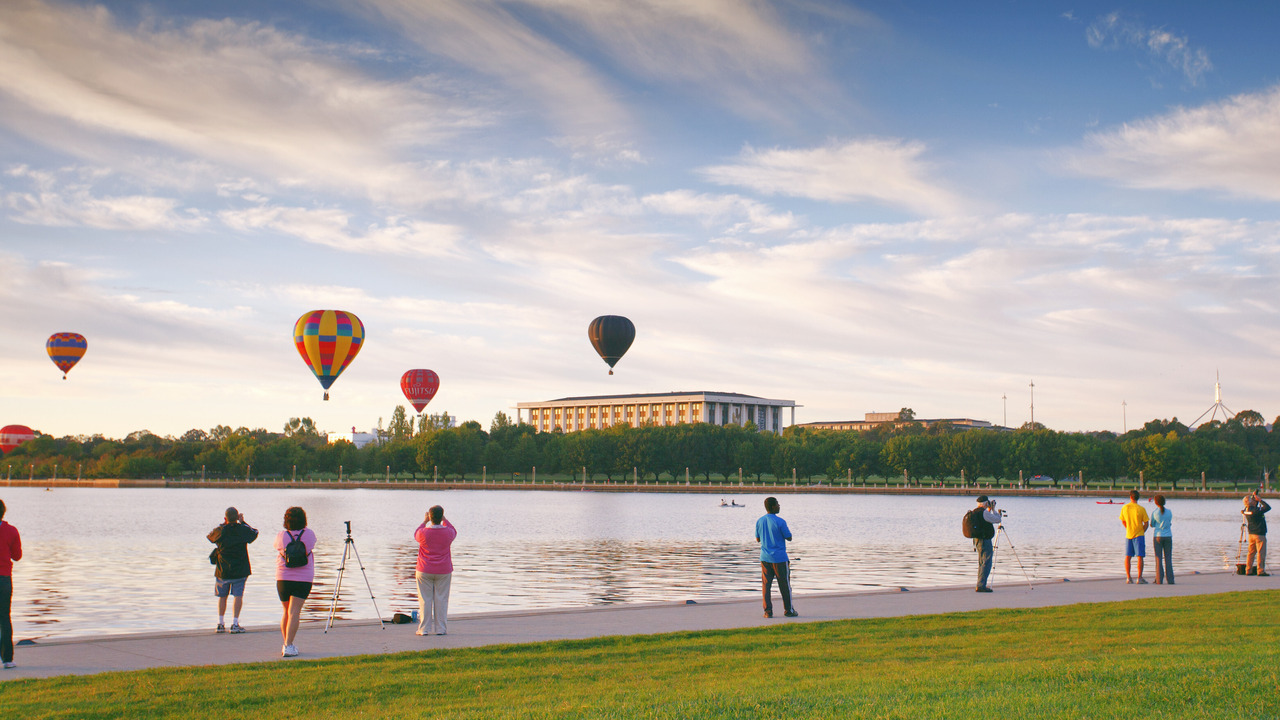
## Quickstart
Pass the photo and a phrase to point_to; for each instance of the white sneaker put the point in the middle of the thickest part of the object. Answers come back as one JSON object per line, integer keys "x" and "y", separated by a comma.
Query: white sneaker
{"x": 289, "y": 651}
{"x": 10, "y": 665}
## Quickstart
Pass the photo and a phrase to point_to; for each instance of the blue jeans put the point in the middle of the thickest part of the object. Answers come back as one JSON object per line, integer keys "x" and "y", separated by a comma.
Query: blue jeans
{"x": 1164, "y": 558}
{"x": 983, "y": 548}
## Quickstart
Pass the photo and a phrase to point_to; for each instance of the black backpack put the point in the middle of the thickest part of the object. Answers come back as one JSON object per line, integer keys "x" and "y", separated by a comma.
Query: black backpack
{"x": 295, "y": 553}
{"x": 976, "y": 526}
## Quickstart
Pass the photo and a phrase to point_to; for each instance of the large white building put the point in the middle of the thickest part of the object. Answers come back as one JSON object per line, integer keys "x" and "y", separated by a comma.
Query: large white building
{"x": 672, "y": 408}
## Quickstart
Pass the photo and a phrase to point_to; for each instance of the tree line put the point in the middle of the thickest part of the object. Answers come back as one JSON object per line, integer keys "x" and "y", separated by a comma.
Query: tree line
{"x": 1163, "y": 451}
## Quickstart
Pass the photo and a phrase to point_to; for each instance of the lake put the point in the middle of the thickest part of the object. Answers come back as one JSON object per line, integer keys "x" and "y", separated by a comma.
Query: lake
{"x": 101, "y": 561}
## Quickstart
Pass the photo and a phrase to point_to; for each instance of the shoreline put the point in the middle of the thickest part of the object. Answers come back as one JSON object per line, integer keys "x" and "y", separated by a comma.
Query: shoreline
{"x": 1002, "y": 489}
{"x": 347, "y": 638}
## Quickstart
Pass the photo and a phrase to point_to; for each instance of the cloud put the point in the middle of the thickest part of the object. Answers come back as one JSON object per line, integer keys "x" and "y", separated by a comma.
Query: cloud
{"x": 1114, "y": 30}
{"x": 885, "y": 171}
{"x": 332, "y": 228}
{"x": 742, "y": 214}
{"x": 75, "y": 205}
{"x": 737, "y": 51}
{"x": 487, "y": 37}
{"x": 238, "y": 94}
{"x": 1230, "y": 146}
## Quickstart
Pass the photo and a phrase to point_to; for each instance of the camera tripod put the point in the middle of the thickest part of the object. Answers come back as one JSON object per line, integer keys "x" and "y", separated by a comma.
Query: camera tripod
{"x": 1000, "y": 529}
{"x": 348, "y": 549}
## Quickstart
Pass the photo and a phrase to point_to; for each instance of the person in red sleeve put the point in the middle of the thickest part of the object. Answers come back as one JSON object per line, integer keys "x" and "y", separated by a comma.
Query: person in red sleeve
{"x": 10, "y": 550}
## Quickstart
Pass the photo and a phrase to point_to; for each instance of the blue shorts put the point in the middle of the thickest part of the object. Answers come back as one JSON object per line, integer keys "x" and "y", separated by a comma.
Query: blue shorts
{"x": 234, "y": 586}
{"x": 1136, "y": 547}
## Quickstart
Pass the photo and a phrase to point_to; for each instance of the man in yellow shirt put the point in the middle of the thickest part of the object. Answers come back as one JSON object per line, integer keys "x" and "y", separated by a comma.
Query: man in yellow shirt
{"x": 1135, "y": 521}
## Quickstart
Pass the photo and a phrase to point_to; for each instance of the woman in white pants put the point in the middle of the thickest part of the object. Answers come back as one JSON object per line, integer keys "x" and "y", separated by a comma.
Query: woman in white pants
{"x": 435, "y": 570}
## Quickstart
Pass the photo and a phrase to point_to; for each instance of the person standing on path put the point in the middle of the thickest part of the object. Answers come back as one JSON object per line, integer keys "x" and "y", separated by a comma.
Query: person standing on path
{"x": 10, "y": 552}
{"x": 1255, "y": 509}
{"x": 772, "y": 533}
{"x": 1162, "y": 541}
{"x": 434, "y": 571}
{"x": 295, "y": 572}
{"x": 1135, "y": 521}
{"x": 232, "y": 567}
{"x": 985, "y": 520}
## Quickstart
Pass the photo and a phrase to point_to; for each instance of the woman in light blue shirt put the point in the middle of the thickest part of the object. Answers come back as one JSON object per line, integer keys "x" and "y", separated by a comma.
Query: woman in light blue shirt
{"x": 1161, "y": 523}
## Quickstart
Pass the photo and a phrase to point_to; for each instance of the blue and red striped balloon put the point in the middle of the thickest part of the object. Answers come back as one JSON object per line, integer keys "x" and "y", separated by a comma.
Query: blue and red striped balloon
{"x": 65, "y": 350}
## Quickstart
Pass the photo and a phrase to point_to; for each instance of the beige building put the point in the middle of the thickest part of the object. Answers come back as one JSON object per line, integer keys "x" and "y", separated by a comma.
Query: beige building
{"x": 873, "y": 420}
{"x": 673, "y": 408}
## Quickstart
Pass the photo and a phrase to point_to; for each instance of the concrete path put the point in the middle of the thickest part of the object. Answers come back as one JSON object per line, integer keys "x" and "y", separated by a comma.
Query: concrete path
{"x": 134, "y": 652}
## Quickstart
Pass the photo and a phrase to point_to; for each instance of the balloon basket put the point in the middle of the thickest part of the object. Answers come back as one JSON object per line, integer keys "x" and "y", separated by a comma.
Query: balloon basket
{"x": 610, "y": 372}
{"x": 326, "y": 395}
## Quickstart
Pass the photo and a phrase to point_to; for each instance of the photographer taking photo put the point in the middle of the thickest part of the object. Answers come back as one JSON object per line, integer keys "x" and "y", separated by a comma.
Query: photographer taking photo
{"x": 1255, "y": 509}
{"x": 980, "y": 524}
{"x": 231, "y": 561}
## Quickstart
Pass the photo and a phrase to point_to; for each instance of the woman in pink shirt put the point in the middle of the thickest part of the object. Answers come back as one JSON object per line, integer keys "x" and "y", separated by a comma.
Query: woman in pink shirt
{"x": 435, "y": 570}
{"x": 293, "y": 582}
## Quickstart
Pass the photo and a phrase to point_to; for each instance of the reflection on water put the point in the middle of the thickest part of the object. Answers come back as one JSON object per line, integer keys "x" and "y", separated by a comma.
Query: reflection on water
{"x": 127, "y": 560}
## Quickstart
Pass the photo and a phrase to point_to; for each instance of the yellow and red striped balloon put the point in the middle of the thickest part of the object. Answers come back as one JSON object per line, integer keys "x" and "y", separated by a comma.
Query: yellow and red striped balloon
{"x": 65, "y": 350}
{"x": 328, "y": 340}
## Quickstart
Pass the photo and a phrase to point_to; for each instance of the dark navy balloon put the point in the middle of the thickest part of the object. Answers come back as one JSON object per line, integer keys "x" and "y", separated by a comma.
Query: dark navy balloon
{"x": 611, "y": 336}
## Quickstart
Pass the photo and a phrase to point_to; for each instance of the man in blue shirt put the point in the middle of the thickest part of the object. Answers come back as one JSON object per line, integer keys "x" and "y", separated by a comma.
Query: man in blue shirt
{"x": 772, "y": 533}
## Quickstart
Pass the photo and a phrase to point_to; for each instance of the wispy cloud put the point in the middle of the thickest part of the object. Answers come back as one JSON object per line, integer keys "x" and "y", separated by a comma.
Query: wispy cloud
{"x": 888, "y": 171}
{"x": 1230, "y": 146}
{"x": 1114, "y": 30}
{"x": 243, "y": 95}
{"x": 333, "y": 228}
{"x": 74, "y": 204}
{"x": 739, "y": 213}
{"x": 737, "y": 51}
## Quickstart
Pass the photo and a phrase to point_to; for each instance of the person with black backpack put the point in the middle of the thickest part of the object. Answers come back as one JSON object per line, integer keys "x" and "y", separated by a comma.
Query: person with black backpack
{"x": 231, "y": 565}
{"x": 980, "y": 524}
{"x": 295, "y": 571}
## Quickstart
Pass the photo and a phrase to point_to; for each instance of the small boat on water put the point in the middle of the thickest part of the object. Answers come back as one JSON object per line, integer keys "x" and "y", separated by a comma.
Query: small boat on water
{"x": 1108, "y": 502}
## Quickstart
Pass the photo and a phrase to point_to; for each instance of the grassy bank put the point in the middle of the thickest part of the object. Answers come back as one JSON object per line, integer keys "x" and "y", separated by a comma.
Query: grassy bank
{"x": 1212, "y": 656}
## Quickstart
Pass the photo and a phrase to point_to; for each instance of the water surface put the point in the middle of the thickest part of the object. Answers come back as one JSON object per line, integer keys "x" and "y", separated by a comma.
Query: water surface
{"x": 128, "y": 560}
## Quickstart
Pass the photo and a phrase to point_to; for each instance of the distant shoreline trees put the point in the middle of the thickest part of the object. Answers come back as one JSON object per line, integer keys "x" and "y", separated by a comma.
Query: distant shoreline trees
{"x": 1163, "y": 451}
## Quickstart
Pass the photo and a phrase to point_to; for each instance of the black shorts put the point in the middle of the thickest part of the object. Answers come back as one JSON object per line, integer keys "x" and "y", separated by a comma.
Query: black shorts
{"x": 292, "y": 588}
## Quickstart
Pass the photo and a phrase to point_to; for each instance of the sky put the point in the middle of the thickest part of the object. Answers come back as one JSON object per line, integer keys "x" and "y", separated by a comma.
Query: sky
{"x": 859, "y": 207}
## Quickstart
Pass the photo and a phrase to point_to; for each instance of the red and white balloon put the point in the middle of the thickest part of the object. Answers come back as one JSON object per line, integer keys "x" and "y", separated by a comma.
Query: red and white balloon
{"x": 419, "y": 387}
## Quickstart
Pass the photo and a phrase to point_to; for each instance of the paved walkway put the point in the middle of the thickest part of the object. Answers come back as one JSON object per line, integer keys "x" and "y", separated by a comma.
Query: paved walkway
{"x": 134, "y": 652}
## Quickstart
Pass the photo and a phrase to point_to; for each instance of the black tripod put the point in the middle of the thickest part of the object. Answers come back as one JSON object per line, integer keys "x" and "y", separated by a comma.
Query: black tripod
{"x": 1000, "y": 529}
{"x": 349, "y": 548}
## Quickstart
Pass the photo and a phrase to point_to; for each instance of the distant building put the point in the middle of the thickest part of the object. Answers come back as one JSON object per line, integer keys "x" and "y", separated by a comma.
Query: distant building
{"x": 602, "y": 411}
{"x": 359, "y": 439}
{"x": 873, "y": 420}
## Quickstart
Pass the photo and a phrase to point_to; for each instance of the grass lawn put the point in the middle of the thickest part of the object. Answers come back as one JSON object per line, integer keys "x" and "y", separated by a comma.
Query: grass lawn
{"x": 1215, "y": 656}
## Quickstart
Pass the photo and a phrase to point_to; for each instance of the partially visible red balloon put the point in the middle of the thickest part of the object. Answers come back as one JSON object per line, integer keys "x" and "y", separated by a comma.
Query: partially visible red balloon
{"x": 419, "y": 387}
{"x": 11, "y": 436}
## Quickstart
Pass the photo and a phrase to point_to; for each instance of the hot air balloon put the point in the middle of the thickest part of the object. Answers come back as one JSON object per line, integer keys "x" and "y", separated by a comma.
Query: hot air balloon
{"x": 65, "y": 350}
{"x": 11, "y": 436}
{"x": 611, "y": 335}
{"x": 328, "y": 340}
{"x": 419, "y": 386}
